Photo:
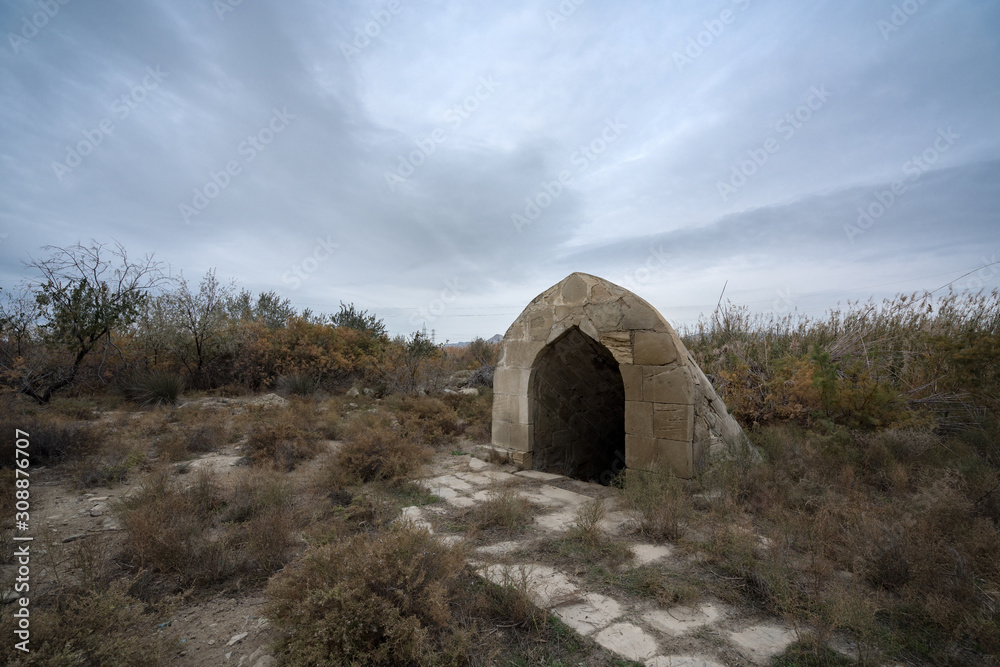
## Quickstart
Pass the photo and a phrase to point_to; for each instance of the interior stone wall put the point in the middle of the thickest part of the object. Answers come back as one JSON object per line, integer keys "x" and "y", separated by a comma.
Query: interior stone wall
{"x": 579, "y": 404}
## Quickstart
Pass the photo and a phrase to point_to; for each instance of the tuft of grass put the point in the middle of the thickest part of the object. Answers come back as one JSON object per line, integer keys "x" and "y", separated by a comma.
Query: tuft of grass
{"x": 299, "y": 384}
{"x": 281, "y": 441}
{"x": 657, "y": 503}
{"x": 153, "y": 388}
{"x": 111, "y": 464}
{"x": 201, "y": 534}
{"x": 53, "y": 438}
{"x": 428, "y": 420}
{"x": 504, "y": 509}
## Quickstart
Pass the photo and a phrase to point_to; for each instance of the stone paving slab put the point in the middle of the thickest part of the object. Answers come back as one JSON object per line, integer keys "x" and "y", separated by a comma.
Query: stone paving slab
{"x": 539, "y": 475}
{"x": 500, "y": 548}
{"x": 562, "y": 495}
{"x": 680, "y": 620}
{"x": 474, "y": 478}
{"x": 594, "y": 612}
{"x": 556, "y": 522}
{"x": 650, "y": 553}
{"x": 760, "y": 643}
{"x": 547, "y": 586}
{"x": 682, "y": 661}
{"x": 627, "y": 640}
{"x": 415, "y": 516}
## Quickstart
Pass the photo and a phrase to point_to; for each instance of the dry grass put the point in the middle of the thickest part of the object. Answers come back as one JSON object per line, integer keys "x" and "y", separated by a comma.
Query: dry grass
{"x": 201, "y": 534}
{"x": 428, "y": 420}
{"x": 887, "y": 535}
{"x": 657, "y": 503}
{"x": 504, "y": 510}
{"x": 96, "y": 627}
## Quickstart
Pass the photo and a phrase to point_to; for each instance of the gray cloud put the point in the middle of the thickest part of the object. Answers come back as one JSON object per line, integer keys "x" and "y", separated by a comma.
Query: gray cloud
{"x": 698, "y": 89}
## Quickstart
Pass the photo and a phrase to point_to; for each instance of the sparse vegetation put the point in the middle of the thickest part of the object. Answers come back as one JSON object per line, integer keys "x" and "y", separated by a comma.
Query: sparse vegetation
{"x": 874, "y": 512}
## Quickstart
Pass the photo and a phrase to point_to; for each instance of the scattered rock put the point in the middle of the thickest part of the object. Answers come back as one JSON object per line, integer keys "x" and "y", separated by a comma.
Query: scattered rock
{"x": 353, "y": 392}
{"x": 469, "y": 391}
{"x": 237, "y": 638}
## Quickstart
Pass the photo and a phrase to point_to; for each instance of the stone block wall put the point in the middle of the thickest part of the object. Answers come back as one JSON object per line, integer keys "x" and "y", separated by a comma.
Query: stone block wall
{"x": 547, "y": 414}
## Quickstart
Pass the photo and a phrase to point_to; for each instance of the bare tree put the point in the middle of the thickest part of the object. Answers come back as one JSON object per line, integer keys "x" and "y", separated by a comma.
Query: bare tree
{"x": 83, "y": 294}
{"x": 202, "y": 317}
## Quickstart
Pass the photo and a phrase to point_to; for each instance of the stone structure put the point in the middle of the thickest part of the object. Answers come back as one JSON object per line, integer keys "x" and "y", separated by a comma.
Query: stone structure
{"x": 591, "y": 379}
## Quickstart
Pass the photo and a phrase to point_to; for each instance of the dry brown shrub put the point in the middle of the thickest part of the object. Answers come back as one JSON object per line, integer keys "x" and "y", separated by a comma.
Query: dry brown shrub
{"x": 428, "y": 420}
{"x": 374, "y": 598}
{"x": 281, "y": 441}
{"x": 96, "y": 627}
{"x": 376, "y": 450}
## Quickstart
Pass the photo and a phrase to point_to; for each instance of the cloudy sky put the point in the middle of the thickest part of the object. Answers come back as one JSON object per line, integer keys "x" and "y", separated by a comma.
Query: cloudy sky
{"x": 444, "y": 162}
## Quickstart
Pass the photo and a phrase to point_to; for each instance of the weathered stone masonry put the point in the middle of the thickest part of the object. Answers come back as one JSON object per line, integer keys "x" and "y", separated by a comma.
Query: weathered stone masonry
{"x": 592, "y": 378}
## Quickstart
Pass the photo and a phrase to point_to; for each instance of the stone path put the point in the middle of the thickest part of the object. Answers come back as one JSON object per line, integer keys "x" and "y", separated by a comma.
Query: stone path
{"x": 709, "y": 634}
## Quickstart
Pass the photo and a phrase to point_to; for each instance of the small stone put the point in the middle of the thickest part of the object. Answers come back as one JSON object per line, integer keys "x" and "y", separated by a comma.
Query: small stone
{"x": 237, "y": 638}
{"x": 469, "y": 391}
{"x": 353, "y": 392}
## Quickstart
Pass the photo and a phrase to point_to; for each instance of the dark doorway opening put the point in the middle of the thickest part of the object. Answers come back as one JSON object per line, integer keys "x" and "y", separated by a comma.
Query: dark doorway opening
{"x": 578, "y": 404}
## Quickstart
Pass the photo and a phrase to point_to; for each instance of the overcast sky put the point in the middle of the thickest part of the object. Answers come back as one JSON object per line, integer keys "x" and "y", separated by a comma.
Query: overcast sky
{"x": 444, "y": 162}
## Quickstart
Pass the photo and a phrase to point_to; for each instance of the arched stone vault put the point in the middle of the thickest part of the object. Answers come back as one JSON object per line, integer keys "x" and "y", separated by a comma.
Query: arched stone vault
{"x": 591, "y": 379}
